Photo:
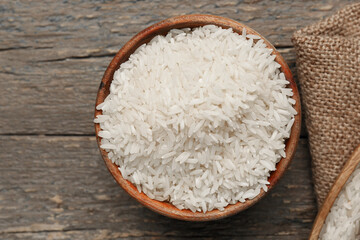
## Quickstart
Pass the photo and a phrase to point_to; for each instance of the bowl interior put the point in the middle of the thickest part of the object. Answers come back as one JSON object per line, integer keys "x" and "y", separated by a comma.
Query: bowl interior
{"x": 161, "y": 28}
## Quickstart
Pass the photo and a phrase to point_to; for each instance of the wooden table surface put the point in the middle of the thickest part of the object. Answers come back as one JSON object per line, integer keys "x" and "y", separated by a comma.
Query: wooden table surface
{"x": 53, "y": 182}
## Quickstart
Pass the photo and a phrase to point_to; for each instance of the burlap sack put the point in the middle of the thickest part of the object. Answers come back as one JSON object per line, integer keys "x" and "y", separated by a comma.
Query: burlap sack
{"x": 328, "y": 66}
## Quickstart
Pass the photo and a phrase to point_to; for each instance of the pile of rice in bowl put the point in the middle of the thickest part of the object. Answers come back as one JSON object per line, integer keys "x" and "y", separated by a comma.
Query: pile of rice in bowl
{"x": 343, "y": 221}
{"x": 198, "y": 117}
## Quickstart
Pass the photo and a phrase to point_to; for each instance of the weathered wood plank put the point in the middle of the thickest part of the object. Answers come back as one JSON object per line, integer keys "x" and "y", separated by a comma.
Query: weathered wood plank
{"x": 57, "y": 97}
{"x": 53, "y": 54}
{"x": 58, "y": 187}
{"x": 78, "y": 28}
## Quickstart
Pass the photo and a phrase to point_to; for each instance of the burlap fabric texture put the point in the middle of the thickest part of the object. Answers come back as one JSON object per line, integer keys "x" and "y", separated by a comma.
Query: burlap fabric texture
{"x": 328, "y": 67}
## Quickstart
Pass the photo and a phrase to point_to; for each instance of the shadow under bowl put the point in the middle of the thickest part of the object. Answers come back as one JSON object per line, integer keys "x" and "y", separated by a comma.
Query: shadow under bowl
{"x": 162, "y": 28}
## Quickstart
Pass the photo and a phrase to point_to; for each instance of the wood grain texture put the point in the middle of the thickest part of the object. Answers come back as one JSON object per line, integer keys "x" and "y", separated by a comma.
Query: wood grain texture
{"x": 58, "y": 187}
{"x": 58, "y": 51}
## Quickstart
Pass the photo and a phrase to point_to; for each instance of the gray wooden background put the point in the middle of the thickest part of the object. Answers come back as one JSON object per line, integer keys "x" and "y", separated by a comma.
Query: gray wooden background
{"x": 53, "y": 182}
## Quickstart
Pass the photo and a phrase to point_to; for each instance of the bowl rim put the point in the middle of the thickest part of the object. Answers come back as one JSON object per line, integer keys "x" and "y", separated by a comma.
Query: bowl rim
{"x": 161, "y": 28}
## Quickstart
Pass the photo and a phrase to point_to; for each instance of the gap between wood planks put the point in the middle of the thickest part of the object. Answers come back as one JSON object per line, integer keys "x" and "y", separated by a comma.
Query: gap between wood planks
{"x": 68, "y": 135}
{"x": 110, "y": 54}
{"x": 44, "y": 230}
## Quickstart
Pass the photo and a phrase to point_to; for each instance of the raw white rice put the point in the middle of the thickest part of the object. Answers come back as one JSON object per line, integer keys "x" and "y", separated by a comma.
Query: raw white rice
{"x": 198, "y": 117}
{"x": 343, "y": 221}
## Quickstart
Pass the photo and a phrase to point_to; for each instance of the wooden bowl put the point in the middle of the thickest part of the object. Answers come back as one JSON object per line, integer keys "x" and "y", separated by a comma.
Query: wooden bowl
{"x": 344, "y": 175}
{"x": 161, "y": 28}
